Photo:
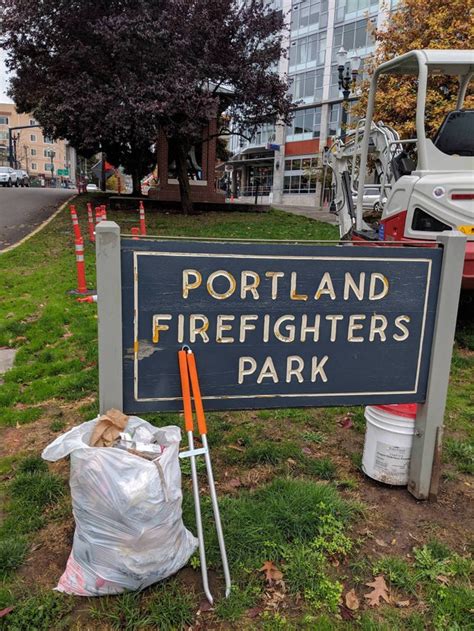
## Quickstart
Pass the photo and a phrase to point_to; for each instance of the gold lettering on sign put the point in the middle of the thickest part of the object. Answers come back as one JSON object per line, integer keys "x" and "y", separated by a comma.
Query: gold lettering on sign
{"x": 210, "y": 284}
{"x": 187, "y": 273}
{"x": 355, "y": 326}
{"x": 325, "y": 287}
{"x": 334, "y": 319}
{"x": 350, "y": 284}
{"x": 268, "y": 371}
{"x": 246, "y": 286}
{"x": 244, "y": 371}
{"x": 378, "y": 324}
{"x": 221, "y": 326}
{"x": 195, "y": 330}
{"x": 376, "y": 276}
{"x": 399, "y": 324}
{"x": 274, "y": 276}
{"x": 290, "y": 329}
{"x": 246, "y": 326}
{"x": 157, "y": 326}
{"x": 294, "y": 295}
{"x": 292, "y": 370}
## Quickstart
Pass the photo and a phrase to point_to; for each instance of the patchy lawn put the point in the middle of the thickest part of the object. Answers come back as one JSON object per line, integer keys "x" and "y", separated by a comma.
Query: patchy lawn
{"x": 291, "y": 491}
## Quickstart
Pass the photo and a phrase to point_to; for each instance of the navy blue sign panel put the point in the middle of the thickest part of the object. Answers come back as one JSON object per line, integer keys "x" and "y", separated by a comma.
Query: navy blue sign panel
{"x": 277, "y": 325}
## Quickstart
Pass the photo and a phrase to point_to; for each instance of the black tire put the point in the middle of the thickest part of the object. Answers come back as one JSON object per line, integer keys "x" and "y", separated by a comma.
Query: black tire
{"x": 9, "y": 183}
{"x": 377, "y": 207}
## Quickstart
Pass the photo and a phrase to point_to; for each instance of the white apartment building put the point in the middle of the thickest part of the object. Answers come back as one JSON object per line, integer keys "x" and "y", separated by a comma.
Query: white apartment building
{"x": 317, "y": 29}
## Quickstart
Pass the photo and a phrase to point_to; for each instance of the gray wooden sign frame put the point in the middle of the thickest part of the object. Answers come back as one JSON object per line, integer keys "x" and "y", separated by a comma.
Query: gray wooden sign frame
{"x": 424, "y": 469}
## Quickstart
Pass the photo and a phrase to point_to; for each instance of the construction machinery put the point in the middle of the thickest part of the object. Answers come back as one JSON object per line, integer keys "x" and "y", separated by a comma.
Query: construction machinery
{"x": 427, "y": 184}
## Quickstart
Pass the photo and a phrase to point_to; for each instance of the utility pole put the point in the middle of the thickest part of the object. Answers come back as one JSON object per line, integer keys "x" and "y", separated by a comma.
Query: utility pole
{"x": 102, "y": 172}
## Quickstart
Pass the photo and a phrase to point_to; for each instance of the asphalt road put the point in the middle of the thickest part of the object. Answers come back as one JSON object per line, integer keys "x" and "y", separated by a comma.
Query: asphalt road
{"x": 23, "y": 209}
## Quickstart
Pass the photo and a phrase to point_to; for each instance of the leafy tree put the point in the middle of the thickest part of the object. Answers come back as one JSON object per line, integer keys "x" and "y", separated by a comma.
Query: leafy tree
{"x": 108, "y": 75}
{"x": 435, "y": 24}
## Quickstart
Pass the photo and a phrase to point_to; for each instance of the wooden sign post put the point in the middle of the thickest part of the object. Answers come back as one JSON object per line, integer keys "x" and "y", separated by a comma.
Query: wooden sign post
{"x": 280, "y": 325}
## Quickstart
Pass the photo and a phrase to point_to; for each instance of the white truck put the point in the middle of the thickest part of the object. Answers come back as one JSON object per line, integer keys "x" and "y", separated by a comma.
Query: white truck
{"x": 427, "y": 185}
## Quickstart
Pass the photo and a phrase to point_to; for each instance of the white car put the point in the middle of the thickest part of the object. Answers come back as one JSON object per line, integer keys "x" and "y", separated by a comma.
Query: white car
{"x": 8, "y": 177}
{"x": 23, "y": 178}
{"x": 92, "y": 188}
{"x": 371, "y": 199}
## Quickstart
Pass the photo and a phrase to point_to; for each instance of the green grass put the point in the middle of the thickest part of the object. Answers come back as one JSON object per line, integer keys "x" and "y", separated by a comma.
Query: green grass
{"x": 41, "y": 612}
{"x": 167, "y": 606}
{"x": 32, "y": 490}
{"x": 258, "y": 525}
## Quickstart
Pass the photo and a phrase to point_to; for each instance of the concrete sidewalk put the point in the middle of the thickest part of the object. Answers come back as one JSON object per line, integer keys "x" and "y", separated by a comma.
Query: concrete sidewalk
{"x": 307, "y": 211}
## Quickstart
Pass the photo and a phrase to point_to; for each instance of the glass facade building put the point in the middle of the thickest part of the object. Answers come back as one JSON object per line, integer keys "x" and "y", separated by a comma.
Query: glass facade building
{"x": 316, "y": 31}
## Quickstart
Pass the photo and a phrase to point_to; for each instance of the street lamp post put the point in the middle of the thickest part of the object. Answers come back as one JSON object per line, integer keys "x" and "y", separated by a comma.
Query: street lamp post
{"x": 348, "y": 70}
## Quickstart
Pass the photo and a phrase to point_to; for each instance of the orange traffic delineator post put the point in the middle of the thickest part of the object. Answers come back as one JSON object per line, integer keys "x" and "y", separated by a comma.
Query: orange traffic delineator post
{"x": 75, "y": 223}
{"x": 104, "y": 212}
{"x": 142, "y": 219}
{"x": 135, "y": 232}
{"x": 90, "y": 222}
{"x": 81, "y": 267}
{"x": 98, "y": 214}
{"x": 190, "y": 381}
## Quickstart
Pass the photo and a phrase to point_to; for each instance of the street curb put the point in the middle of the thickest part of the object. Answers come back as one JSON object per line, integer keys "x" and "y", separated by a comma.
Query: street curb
{"x": 41, "y": 226}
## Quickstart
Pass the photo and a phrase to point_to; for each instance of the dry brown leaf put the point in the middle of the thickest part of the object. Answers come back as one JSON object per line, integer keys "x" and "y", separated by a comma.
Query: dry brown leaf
{"x": 235, "y": 483}
{"x": 381, "y": 543}
{"x": 272, "y": 573}
{"x": 205, "y": 606}
{"x": 352, "y": 602}
{"x": 402, "y": 603}
{"x": 379, "y": 591}
{"x": 442, "y": 579}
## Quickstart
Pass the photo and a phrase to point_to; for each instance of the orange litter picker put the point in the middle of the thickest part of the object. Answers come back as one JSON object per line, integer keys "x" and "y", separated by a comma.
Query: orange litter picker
{"x": 189, "y": 380}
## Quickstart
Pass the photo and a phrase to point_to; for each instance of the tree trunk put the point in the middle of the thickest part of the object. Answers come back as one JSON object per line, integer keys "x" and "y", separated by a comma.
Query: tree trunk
{"x": 137, "y": 183}
{"x": 183, "y": 179}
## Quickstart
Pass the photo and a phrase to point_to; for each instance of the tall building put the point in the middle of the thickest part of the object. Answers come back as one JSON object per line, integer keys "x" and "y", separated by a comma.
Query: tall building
{"x": 31, "y": 150}
{"x": 287, "y": 173}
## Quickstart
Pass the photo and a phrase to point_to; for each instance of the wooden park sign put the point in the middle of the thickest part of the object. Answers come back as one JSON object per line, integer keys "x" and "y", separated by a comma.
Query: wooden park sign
{"x": 274, "y": 324}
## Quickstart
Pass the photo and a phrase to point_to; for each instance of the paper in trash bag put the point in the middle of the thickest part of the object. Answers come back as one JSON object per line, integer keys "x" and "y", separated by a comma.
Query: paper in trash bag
{"x": 129, "y": 529}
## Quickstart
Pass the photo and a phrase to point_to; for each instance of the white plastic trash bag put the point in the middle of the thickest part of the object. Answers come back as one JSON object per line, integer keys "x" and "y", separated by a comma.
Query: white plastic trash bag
{"x": 129, "y": 529}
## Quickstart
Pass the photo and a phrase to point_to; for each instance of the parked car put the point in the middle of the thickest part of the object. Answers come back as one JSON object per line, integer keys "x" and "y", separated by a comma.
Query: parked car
{"x": 92, "y": 188}
{"x": 371, "y": 199}
{"x": 22, "y": 177}
{"x": 8, "y": 177}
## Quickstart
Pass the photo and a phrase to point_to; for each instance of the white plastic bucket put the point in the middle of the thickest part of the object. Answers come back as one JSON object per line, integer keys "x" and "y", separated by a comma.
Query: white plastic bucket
{"x": 388, "y": 442}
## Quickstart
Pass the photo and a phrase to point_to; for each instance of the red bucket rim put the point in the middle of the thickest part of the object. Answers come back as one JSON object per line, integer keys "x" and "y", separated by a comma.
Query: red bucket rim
{"x": 407, "y": 410}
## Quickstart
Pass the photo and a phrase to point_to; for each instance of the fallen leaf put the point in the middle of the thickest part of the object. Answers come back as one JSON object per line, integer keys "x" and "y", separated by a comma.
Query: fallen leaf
{"x": 442, "y": 579}
{"x": 254, "y": 612}
{"x": 352, "y": 602}
{"x": 291, "y": 461}
{"x": 6, "y": 611}
{"x": 307, "y": 451}
{"x": 205, "y": 605}
{"x": 379, "y": 591}
{"x": 346, "y": 423}
{"x": 235, "y": 483}
{"x": 346, "y": 614}
{"x": 393, "y": 542}
{"x": 236, "y": 447}
{"x": 381, "y": 543}
{"x": 402, "y": 603}
{"x": 272, "y": 573}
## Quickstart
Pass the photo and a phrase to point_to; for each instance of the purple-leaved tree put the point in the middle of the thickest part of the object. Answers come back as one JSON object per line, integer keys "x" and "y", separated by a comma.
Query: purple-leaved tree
{"x": 110, "y": 74}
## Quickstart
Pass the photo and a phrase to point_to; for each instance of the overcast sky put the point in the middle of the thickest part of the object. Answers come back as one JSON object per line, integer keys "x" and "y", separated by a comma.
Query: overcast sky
{"x": 3, "y": 80}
